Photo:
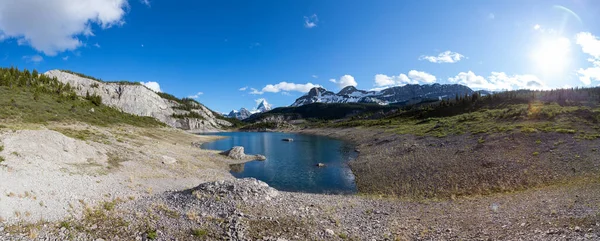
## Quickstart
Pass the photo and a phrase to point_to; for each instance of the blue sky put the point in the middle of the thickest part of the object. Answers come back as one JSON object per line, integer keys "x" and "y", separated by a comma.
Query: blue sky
{"x": 235, "y": 52}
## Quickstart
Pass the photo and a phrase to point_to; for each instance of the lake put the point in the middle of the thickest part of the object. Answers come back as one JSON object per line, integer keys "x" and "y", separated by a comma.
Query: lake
{"x": 292, "y": 166}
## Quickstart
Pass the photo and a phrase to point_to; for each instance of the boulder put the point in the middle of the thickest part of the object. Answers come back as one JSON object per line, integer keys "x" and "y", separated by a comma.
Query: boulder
{"x": 237, "y": 153}
{"x": 168, "y": 160}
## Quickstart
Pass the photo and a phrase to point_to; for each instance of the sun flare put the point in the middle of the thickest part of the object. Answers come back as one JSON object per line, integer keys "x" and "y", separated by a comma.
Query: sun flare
{"x": 552, "y": 55}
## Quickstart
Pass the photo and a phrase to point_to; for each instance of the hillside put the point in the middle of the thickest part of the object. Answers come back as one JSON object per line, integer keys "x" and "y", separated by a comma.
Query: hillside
{"x": 136, "y": 99}
{"x": 30, "y": 97}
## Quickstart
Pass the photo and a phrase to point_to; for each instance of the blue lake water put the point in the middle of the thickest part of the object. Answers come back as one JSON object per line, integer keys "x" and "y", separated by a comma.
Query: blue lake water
{"x": 292, "y": 166}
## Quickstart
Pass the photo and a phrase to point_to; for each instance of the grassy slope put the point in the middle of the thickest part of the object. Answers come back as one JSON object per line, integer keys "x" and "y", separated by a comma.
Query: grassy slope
{"x": 29, "y": 97}
{"x": 50, "y": 108}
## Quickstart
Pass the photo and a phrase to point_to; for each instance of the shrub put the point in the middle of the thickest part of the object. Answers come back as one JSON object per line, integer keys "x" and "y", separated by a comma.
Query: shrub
{"x": 151, "y": 234}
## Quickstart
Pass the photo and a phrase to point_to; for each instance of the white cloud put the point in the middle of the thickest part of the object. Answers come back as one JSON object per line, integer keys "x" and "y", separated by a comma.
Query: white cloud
{"x": 537, "y": 27}
{"x": 152, "y": 85}
{"x": 283, "y": 87}
{"x": 54, "y": 26}
{"x": 243, "y": 88}
{"x": 196, "y": 96}
{"x": 311, "y": 22}
{"x": 256, "y": 92}
{"x": 34, "y": 58}
{"x": 590, "y": 45}
{"x": 346, "y": 80}
{"x": 444, "y": 57}
{"x": 421, "y": 77}
{"x": 588, "y": 74}
{"x": 145, "y": 2}
{"x": 65, "y": 58}
{"x": 97, "y": 45}
{"x": 498, "y": 81}
{"x": 491, "y": 16}
{"x": 413, "y": 77}
{"x": 315, "y": 76}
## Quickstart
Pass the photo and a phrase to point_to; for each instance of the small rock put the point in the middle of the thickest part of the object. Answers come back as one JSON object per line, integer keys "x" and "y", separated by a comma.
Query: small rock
{"x": 168, "y": 160}
{"x": 92, "y": 110}
{"x": 329, "y": 232}
{"x": 321, "y": 164}
{"x": 577, "y": 229}
{"x": 523, "y": 224}
{"x": 99, "y": 239}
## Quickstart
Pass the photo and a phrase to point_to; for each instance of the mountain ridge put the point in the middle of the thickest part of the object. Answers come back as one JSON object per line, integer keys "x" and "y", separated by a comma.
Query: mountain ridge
{"x": 398, "y": 94}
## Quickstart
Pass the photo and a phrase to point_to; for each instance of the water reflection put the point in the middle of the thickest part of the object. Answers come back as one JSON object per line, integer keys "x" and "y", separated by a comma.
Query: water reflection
{"x": 291, "y": 166}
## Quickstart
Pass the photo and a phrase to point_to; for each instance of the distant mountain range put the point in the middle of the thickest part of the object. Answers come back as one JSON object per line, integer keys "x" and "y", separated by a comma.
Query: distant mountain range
{"x": 243, "y": 113}
{"x": 401, "y": 94}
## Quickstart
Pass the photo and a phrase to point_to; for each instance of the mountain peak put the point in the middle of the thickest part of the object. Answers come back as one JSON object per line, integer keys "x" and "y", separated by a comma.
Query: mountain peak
{"x": 264, "y": 106}
{"x": 347, "y": 90}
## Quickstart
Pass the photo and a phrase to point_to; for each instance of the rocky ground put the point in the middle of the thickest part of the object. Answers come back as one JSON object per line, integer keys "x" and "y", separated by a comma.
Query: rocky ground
{"x": 195, "y": 198}
{"x": 54, "y": 171}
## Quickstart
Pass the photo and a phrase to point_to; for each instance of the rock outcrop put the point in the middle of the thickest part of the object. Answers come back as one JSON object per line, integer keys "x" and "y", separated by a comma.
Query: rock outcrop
{"x": 138, "y": 100}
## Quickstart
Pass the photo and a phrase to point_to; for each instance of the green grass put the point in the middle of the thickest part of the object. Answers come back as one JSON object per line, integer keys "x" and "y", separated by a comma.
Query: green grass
{"x": 199, "y": 233}
{"x": 548, "y": 117}
{"x": 18, "y": 105}
{"x": 151, "y": 234}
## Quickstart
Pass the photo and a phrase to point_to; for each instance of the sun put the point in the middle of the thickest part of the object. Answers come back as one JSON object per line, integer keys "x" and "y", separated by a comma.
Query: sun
{"x": 552, "y": 56}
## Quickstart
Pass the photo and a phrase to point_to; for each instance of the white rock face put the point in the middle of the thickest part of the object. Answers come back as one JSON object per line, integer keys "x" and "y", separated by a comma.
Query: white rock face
{"x": 141, "y": 101}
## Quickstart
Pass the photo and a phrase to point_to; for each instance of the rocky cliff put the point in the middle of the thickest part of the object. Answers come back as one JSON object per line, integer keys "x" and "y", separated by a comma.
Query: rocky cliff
{"x": 399, "y": 94}
{"x": 139, "y": 100}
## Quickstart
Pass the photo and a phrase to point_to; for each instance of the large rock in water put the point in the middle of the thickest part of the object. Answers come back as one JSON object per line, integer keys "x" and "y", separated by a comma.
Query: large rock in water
{"x": 237, "y": 153}
{"x": 141, "y": 101}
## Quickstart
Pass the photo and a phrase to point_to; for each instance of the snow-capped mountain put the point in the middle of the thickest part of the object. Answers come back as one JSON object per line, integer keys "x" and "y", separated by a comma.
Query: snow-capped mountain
{"x": 263, "y": 106}
{"x": 399, "y": 94}
{"x": 243, "y": 113}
